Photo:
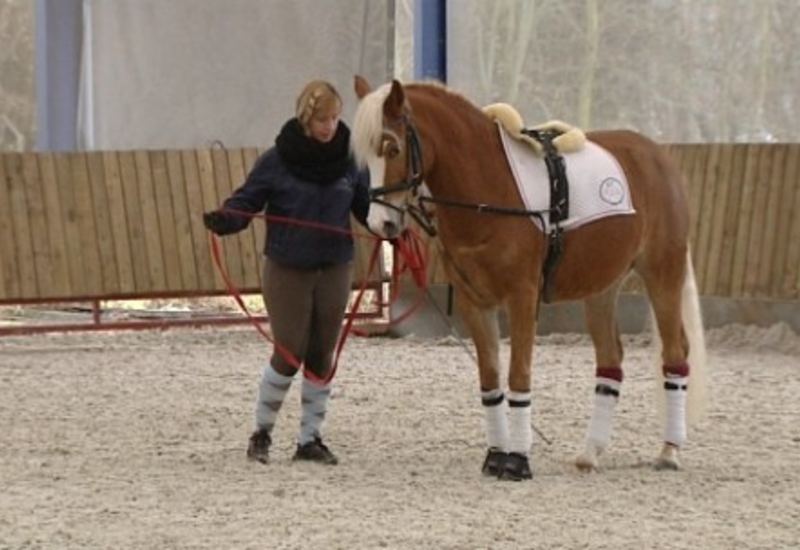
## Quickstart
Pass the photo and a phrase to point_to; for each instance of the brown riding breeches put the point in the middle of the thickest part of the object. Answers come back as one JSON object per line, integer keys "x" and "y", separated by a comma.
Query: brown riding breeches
{"x": 305, "y": 308}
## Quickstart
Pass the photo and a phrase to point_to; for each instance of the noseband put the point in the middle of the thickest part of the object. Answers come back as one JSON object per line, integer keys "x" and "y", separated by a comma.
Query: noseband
{"x": 412, "y": 182}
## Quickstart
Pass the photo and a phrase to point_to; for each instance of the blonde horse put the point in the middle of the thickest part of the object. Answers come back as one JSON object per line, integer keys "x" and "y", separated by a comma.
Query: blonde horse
{"x": 496, "y": 258}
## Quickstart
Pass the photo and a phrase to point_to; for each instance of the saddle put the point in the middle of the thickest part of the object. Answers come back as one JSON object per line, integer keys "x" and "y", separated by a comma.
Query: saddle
{"x": 548, "y": 140}
{"x": 566, "y": 138}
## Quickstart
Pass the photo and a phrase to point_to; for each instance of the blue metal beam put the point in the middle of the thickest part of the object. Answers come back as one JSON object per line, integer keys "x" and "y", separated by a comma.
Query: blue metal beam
{"x": 57, "y": 57}
{"x": 430, "y": 39}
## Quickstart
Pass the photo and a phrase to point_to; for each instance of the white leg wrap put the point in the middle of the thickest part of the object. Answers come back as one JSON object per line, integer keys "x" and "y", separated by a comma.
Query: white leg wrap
{"x": 272, "y": 391}
{"x": 314, "y": 405}
{"x": 605, "y": 400}
{"x": 519, "y": 419}
{"x": 495, "y": 407}
{"x": 675, "y": 424}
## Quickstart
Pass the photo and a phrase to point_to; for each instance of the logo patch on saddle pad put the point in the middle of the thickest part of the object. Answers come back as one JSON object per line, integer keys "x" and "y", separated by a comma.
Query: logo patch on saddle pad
{"x": 597, "y": 185}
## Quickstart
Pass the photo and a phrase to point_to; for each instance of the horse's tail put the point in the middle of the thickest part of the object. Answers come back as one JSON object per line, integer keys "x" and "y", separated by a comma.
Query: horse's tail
{"x": 697, "y": 398}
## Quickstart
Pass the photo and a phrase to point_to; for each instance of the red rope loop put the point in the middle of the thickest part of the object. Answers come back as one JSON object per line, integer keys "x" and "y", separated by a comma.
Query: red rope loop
{"x": 409, "y": 256}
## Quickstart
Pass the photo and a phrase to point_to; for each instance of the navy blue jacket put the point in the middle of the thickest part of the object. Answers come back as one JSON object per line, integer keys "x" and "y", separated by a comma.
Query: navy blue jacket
{"x": 289, "y": 198}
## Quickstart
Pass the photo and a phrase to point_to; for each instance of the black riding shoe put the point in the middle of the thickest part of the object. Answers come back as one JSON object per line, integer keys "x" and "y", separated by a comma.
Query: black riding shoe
{"x": 315, "y": 451}
{"x": 258, "y": 447}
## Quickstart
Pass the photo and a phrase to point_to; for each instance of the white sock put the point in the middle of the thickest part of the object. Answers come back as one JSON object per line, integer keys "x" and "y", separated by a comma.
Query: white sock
{"x": 519, "y": 420}
{"x": 271, "y": 392}
{"x": 314, "y": 406}
{"x": 494, "y": 409}
{"x": 606, "y": 396}
{"x": 675, "y": 425}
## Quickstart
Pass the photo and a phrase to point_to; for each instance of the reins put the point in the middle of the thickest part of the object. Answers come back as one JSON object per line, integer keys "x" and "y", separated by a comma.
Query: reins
{"x": 483, "y": 208}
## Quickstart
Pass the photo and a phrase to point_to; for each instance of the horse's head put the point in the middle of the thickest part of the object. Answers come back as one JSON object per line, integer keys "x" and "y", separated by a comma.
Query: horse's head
{"x": 384, "y": 139}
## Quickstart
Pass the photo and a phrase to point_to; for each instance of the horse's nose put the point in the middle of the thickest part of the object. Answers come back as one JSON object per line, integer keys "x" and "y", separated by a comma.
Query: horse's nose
{"x": 390, "y": 230}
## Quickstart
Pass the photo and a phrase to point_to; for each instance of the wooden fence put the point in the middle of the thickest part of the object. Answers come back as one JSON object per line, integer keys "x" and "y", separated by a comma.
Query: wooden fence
{"x": 745, "y": 201}
{"x": 126, "y": 224}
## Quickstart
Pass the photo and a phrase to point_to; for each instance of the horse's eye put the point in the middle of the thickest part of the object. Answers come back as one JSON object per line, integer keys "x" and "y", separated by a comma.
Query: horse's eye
{"x": 392, "y": 150}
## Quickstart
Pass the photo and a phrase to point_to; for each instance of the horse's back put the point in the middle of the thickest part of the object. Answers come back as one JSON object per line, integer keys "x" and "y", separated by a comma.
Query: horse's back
{"x": 655, "y": 180}
{"x": 630, "y": 147}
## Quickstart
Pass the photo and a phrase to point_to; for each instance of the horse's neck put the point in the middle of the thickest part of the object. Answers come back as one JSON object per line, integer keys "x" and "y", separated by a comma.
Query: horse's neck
{"x": 469, "y": 168}
{"x": 468, "y": 160}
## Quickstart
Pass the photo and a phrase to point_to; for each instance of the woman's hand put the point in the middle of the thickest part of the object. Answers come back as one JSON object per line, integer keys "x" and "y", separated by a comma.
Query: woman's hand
{"x": 217, "y": 222}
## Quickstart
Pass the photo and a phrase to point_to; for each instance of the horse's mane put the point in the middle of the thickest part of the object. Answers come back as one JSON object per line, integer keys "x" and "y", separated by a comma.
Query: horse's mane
{"x": 454, "y": 99}
{"x": 368, "y": 124}
{"x": 368, "y": 120}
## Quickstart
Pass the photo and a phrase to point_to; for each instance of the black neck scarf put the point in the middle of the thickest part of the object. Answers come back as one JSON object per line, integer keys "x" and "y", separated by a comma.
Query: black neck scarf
{"x": 312, "y": 160}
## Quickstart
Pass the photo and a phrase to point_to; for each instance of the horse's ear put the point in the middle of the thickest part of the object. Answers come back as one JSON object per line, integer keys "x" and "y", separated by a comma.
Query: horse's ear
{"x": 393, "y": 106}
{"x": 362, "y": 87}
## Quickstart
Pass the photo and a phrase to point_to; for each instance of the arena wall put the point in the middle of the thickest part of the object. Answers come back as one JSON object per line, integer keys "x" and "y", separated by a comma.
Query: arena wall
{"x": 127, "y": 224}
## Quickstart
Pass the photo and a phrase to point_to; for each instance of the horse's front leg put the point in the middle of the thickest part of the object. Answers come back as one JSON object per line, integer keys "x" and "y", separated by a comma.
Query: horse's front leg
{"x": 522, "y": 309}
{"x": 483, "y": 328}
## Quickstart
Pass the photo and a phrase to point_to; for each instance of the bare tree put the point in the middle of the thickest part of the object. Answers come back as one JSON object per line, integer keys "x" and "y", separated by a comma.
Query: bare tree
{"x": 680, "y": 70}
{"x": 17, "y": 95}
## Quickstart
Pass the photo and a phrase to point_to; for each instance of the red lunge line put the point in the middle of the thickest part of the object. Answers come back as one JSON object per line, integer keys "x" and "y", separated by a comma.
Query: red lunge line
{"x": 409, "y": 257}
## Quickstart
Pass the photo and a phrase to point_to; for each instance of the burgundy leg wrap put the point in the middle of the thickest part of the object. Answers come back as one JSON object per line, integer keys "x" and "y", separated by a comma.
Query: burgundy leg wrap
{"x": 679, "y": 370}
{"x": 612, "y": 373}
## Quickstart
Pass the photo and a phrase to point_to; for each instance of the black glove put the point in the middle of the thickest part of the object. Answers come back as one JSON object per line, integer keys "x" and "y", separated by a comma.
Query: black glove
{"x": 217, "y": 222}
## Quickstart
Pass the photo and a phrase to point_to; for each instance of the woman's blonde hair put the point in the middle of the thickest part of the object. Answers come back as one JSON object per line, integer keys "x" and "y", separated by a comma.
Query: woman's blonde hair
{"x": 316, "y": 96}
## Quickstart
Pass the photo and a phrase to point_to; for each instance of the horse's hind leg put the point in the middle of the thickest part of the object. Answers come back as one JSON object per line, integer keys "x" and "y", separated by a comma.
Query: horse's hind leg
{"x": 601, "y": 323}
{"x": 664, "y": 287}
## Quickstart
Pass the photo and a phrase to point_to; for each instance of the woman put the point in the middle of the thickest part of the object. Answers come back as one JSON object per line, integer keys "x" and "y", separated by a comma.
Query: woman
{"x": 308, "y": 176}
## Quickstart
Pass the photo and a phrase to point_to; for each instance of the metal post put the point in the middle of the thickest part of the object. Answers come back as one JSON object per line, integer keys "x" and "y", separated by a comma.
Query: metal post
{"x": 430, "y": 39}
{"x": 58, "y": 34}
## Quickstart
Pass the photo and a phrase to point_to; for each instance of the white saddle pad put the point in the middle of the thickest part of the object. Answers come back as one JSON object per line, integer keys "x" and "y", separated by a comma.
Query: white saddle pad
{"x": 597, "y": 185}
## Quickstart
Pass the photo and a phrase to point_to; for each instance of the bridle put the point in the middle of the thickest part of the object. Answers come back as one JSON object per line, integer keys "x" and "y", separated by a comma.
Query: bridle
{"x": 412, "y": 182}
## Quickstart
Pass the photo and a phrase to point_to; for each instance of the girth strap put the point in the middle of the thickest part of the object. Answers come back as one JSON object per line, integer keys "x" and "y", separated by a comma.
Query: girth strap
{"x": 559, "y": 206}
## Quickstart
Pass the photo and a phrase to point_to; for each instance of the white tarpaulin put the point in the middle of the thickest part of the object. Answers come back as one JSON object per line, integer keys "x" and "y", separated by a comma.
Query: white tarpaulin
{"x": 188, "y": 73}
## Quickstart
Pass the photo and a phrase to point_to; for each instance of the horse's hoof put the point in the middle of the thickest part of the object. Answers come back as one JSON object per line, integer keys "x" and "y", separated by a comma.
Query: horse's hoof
{"x": 585, "y": 463}
{"x": 588, "y": 461}
{"x": 494, "y": 463}
{"x": 668, "y": 459}
{"x": 516, "y": 468}
{"x": 666, "y": 465}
